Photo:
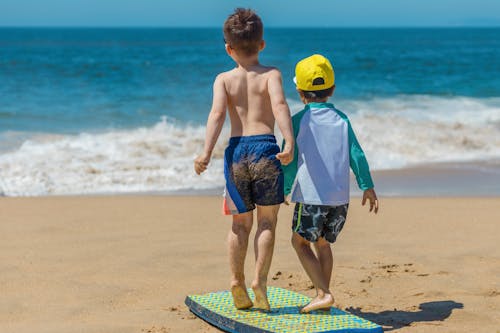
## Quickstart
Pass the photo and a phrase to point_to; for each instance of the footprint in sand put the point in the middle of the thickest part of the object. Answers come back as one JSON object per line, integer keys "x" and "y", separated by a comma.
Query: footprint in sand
{"x": 490, "y": 293}
{"x": 366, "y": 280}
{"x": 155, "y": 329}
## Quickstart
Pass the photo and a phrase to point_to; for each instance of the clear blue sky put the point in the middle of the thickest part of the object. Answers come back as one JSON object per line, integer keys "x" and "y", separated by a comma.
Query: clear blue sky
{"x": 275, "y": 13}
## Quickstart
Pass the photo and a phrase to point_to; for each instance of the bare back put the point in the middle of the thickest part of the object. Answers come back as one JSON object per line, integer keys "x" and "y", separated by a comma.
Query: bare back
{"x": 248, "y": 99}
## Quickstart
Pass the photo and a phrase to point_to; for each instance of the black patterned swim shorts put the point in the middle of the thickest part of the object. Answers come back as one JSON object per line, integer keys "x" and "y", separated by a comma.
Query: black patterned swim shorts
{"x": 314, "y": 221}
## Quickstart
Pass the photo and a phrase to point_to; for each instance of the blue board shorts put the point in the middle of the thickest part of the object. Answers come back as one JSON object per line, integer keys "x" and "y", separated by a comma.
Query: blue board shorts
{"x": 253, "y": 174}
{"x": 314, "y": 221}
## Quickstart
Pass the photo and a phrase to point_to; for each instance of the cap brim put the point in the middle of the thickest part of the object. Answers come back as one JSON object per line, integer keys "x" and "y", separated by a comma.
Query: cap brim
{"x": 295, "y": 80}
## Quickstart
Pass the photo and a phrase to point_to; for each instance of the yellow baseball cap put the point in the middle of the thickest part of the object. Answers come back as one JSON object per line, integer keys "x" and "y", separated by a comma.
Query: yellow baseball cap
{"x": 314, "y": 73}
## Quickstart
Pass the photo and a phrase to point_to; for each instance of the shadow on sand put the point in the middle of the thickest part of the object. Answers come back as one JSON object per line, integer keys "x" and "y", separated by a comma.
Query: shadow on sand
{"x": 392, "y": 320}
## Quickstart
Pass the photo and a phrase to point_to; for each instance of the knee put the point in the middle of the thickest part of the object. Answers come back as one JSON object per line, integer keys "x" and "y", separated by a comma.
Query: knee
{"x": 266, "y": 224}
{"x": 322, "y": 244}
{"x": 299, "y": 243}
{"x": 241, "y": 228}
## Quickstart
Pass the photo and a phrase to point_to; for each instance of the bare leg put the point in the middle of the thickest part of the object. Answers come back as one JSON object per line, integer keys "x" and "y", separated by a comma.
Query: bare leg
{"x": 324, "y": 253}
{"x": 237, "y": 240}
{"x": 313, "y": 268}
{"x": 264, "y": 247}
{"x": 325, "y": 257}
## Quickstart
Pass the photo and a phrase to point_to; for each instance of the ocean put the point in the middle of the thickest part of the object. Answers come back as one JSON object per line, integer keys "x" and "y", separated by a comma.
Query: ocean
{"x": 120, "y": 111}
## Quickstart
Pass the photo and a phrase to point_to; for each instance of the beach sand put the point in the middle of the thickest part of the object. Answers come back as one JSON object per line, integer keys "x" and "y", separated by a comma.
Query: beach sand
{"x": 126, "y": 263}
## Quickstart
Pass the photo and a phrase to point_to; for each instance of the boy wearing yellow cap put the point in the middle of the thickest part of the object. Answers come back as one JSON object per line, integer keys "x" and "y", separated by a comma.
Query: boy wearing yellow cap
{"x": 318, "y": 177}
{"x": 253, "y": 96}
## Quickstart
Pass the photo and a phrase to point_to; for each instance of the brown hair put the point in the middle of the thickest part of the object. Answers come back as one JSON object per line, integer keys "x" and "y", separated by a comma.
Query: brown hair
{"x": 243, "y": 31}
{"x": 318, "y": 95}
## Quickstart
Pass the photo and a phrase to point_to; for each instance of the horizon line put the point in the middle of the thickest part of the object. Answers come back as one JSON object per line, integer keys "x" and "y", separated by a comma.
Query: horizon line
{"x": 267, "y": 27}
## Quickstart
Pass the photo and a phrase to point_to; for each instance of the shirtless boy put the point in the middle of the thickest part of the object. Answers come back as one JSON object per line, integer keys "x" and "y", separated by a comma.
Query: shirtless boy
{"x": 253, "y": 95}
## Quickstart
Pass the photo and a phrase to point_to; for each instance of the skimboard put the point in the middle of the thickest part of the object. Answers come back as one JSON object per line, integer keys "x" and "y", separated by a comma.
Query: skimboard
{"x": 217, "y": 309}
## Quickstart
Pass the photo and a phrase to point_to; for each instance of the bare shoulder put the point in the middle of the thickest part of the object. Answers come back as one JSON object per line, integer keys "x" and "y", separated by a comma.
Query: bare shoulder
{"x": 223, "y": 78}
{"x": 228, "y": 76}
{"x": 271, "y": 71}
{"x": 274, "y": 75}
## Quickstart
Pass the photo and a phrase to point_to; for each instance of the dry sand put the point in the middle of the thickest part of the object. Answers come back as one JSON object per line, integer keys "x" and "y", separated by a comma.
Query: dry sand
{"x": 125, "y": 264}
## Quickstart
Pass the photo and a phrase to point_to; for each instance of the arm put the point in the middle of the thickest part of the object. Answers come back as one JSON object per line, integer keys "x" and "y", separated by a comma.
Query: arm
{"x": 290, "y": 170}
{"x": 359, "y": 166}
{"x": 358, "y": 162}
{"x": 215, "y": 121}
{"x": 282, "y": 115}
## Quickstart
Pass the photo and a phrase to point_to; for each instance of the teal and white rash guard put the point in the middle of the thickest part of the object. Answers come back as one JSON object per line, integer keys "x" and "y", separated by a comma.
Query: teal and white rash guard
{"x": 325, "y": 148}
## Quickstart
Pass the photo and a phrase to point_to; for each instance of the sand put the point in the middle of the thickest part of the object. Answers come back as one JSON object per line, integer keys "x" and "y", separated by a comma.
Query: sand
{"x": 125, "y": 264}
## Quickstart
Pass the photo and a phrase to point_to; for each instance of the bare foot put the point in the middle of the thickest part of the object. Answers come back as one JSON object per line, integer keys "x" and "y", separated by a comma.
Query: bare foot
{"x": 261, "y": 301}
{"x": 240, "y": 298}
{"x": 319, "y": 303}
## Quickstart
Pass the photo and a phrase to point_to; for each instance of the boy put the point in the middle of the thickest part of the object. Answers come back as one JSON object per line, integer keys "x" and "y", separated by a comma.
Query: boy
{"x": 253, "y": 95}
{"x": 318, "y": 177}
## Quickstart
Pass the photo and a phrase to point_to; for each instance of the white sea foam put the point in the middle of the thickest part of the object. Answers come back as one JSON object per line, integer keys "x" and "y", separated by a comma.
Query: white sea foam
{"x": 153, "y": 159}
{"x": 409, "y": 130}
{"x": 394, "y": 132}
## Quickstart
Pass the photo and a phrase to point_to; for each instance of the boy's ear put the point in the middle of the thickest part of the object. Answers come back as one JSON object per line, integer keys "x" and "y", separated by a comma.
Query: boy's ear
{"x": 229, "y": 50}
{"x": 262, "y": 45}
{"x": 301, "y": 95}
{"x": 333, "y": 89}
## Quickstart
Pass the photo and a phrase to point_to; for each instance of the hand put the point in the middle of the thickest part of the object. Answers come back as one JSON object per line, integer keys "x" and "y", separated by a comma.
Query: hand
{"x": 372, "y": 197}
{"x": 286, "y": 156}
{"x": 201, "y": 163}
{"x": 287, "y": 199}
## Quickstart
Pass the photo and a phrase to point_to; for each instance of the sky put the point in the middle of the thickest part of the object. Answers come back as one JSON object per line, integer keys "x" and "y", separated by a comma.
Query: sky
{"x": 274, "y": 13}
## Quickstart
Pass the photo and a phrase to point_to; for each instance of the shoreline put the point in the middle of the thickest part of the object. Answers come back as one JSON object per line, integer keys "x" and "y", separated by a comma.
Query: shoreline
{"x": 471, "y": 179}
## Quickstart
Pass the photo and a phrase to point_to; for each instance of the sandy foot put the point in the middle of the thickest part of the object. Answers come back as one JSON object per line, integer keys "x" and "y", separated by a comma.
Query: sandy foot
{"x": 319, "y": 303}
{"x": 261, "y": 301}
{"x": 240, "y": 298}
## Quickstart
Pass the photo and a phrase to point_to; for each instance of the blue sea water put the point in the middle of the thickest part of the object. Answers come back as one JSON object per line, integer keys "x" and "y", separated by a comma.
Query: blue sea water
{"x": 123, "y": 110}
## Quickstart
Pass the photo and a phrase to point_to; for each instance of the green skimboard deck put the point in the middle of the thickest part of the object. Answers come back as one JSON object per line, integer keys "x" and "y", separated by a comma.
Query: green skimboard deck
{"x": 217, "y": 308}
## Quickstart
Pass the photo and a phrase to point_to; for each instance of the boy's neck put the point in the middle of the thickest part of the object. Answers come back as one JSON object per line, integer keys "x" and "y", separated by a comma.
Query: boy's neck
{"x": 309, "y": 101}
{"x": 246, "y": 61}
